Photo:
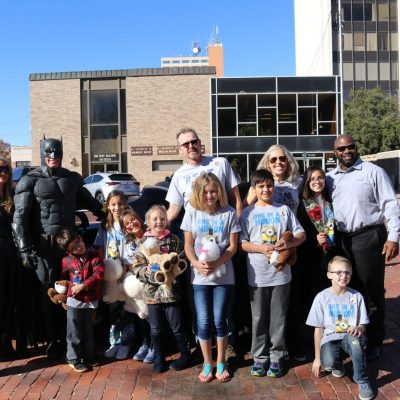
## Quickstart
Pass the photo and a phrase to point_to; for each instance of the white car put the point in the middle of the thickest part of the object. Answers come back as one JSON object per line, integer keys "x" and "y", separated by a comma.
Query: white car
{"x": 102, "y": 183}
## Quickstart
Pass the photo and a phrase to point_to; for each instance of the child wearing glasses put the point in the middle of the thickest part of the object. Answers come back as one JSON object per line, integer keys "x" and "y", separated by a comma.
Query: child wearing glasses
{"x": 339, "y": 316}
{"x": 84, "y": 269}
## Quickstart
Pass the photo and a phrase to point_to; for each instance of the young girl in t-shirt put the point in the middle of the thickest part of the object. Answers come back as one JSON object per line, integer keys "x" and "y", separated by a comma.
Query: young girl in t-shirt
{"x": 211, "y": 231}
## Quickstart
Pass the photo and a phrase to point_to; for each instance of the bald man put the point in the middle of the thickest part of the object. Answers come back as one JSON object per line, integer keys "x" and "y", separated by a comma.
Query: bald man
{"x": 367, "y": 218}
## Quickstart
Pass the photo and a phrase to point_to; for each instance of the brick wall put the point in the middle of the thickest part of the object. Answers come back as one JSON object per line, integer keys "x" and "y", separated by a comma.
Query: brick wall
{"x": 55, "y": 112}
{"x": 157, "y": 107}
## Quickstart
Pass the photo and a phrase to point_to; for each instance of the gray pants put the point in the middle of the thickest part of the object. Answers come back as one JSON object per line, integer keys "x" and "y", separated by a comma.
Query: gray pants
{"x": 80, "y": 335}
{"x": 269, "y": 307}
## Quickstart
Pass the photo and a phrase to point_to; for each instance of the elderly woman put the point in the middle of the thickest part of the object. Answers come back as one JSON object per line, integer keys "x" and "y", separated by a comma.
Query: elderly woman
{"x": 8, "y": 258}
{"x": 285, "y": 170}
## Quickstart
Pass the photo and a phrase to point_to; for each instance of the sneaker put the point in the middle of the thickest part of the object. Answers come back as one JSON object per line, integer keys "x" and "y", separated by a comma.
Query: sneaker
{"x": 150, "y": 357}
{"x": 230, "y": 353}
{"x": 79, "y": 366}
{"x": 141, "y": 353}
{"x": 111, "y": 352}
{"x": 92, "y": 362}
{"x": 365, "y": 391}
{"x": 338, "y": 372}
{"x": 275, "y": 370}
{"x": 259, "y": 368}
{"x": 123, "y": 352}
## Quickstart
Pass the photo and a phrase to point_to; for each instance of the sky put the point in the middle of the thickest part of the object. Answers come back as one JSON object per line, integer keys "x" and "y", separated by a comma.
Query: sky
{"x": 85, "y": 35}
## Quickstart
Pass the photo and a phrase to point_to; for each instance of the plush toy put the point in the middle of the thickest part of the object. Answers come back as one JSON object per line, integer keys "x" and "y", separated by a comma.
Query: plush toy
{"x": 284, "y": 257}
{"x": 112, "y": 273}
{"x": 210, "y": 251}
{"x": 165, "y": 266}
{"x": 58, "y": 294}
{"x": 133, "y": 290}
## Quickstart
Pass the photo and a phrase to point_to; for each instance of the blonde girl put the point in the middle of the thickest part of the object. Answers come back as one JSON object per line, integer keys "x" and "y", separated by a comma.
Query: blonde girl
{"x": 208, "y": 218}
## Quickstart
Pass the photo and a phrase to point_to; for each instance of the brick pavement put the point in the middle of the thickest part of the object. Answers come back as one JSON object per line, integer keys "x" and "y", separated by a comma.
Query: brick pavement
{"x": 37, "y": 378}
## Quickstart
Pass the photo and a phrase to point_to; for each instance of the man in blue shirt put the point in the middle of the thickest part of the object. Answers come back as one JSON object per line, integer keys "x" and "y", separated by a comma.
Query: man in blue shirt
{"x": 367, "y": 218}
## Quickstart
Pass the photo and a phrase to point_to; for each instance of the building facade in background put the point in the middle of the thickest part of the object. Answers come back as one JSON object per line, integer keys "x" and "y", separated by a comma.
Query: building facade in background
{"x": 370, "y": 42}
{"x": 126, "y": 120}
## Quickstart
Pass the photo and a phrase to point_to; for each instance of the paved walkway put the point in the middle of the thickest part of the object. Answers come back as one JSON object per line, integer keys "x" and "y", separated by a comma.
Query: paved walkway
{"x": 36, "y": 378}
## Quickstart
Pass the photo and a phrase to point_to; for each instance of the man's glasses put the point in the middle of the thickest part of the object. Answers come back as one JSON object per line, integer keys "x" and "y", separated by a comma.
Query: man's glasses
{"x": 341, "y": 149}
{"x": 273, "y": 160}
{"x": 4, "y": 169}
{"x": 340, "y": 273}
{"x": 193, "y": 142}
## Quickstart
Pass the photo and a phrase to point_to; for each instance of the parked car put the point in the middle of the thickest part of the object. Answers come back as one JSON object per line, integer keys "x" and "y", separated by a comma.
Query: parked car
{"x": 19, "y": 172}
{"x": 102, "y": 183}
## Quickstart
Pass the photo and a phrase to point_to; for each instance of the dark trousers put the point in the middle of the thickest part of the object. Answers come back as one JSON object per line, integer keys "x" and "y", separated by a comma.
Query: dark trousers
{"x": 170, "y": 312}
{"x": 80, "y": 336}
{"x": 363, "y": 248}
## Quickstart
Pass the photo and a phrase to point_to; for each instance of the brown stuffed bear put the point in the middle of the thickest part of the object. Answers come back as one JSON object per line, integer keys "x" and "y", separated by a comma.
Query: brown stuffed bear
{"x": 284, "y": 257}
{"x": 58, "y": 294}
{"x": 170, "y": 267}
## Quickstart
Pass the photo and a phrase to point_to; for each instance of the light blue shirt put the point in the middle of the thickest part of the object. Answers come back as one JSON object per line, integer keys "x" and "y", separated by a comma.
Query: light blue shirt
{"x": 363, "y": 196}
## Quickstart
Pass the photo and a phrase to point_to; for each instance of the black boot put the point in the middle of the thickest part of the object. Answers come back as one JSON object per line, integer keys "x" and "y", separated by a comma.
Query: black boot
{"x": 159, "y": 365}
{"x": 183, "y": 346}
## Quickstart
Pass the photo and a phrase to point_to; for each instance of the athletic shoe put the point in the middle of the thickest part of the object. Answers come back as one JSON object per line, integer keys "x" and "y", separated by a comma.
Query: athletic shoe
{"x": 275, "y": 370}
{"x": 338, "y": 372}
{"x": 111, "y": 352}
{"x": 123, "y": 352}
{"x": 141, "y": 353}
{"x": 79, "y": 367}
{"x": 365, "y": 391}
{"x": 259, "y": 368}
{"x": 150, "y": 357}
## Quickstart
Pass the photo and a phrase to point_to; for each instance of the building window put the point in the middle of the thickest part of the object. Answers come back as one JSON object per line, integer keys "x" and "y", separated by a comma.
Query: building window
{"x": 286, "y": 107}
{"x": 348, "y": 41}
{"x": 266, "y": 121}
{"x": 371, "y": 41}
{"x": 383, "y": 12}
{"x": 359, "y": 69}
{"x": 383, "y": 42}
{"x": 393, "y": 11}
{"x": 395, "y": 71}
{"x": 347, "y": 71}
{"x": 372, "y": 71}
{"x": 227, "y": 122}
{"x": 394, "y": 41}
{"x": 307, "y": 121}
{"x": 358, "y": 12}
{"x": 359, "y": 41}
{"x": 384, "y": 71}
{"x": 247, "y": 108}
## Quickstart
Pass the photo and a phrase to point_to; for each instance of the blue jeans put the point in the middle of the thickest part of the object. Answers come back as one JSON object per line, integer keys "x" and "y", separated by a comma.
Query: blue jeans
{"x": 212, "y": 303}
{"x": 331, "y": 355}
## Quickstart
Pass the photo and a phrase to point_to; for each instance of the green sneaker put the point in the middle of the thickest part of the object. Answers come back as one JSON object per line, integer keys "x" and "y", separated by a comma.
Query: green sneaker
{"x": 258, "y": 369}
{"x": 275, "y": 370}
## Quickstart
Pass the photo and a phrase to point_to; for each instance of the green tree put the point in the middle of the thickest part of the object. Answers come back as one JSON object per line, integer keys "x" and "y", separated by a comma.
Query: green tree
{"x": 372, "y": 118}
{"x": 5, "y": 149}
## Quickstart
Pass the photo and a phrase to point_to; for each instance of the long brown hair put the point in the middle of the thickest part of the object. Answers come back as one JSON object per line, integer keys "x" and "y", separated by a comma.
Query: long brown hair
{"x": 108, "y": 222}
{"x": 306, "y": 192}
{"x": 7, "y": 201}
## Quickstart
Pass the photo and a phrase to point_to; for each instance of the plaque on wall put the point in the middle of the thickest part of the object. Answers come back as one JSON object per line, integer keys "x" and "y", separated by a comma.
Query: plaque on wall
{"x": 141, "y": 150}
{"x": 105, "y": 157}
{"x": 171, "y": 150}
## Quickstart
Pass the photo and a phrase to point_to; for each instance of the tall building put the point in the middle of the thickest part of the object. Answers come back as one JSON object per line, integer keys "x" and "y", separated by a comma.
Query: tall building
{"x": 370, "y": 45}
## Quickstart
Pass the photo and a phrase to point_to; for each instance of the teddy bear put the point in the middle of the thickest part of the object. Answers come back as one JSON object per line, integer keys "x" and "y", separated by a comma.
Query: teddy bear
{"x": 58, "y": 294}
{"x": 280, "y": 259}
{"x": 166, "y": 267}
{"x": 210, "y": 251}
{"x": 133, "y": 289}
{"x": 113, "y": 271}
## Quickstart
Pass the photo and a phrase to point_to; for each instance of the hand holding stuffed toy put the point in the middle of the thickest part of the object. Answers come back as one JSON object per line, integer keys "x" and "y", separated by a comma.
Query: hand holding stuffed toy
{"x": 58, "y": 294}
{"x": 210, "y": 251}
{"x": 284, "y": 257}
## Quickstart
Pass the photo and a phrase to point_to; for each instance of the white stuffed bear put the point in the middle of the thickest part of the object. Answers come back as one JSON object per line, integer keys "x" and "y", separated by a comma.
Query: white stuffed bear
{"x": 133, "y": 289}
{"x": 210, "y": 251}
{"x": 111, "y": 289}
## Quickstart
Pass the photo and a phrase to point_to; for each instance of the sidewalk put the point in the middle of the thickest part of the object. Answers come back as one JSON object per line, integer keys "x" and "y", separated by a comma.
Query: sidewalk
{"x": 37, "y": 378}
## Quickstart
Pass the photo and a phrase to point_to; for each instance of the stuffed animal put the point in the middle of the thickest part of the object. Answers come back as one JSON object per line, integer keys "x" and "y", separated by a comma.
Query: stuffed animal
{"x": 112, "y": 273}
{"x": 284, "y": 257}
{"x": 133, "y": 290}
{"x": 170, "y": 267}
{"x": 58, "y": 294}
{"x": 210, "y": 251}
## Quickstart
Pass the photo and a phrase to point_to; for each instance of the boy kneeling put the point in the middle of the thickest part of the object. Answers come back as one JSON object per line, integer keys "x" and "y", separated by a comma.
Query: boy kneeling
{"x": 339, "y": 316}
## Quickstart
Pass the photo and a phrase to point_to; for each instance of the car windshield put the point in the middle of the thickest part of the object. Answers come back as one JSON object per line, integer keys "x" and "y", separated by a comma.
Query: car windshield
{"x": 121, "y": 177}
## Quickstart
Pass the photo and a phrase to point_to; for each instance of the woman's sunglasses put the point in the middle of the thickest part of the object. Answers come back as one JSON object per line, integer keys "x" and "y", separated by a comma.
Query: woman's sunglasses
{"x": 4, "y": 169}
{"x": 273, "y": 160}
